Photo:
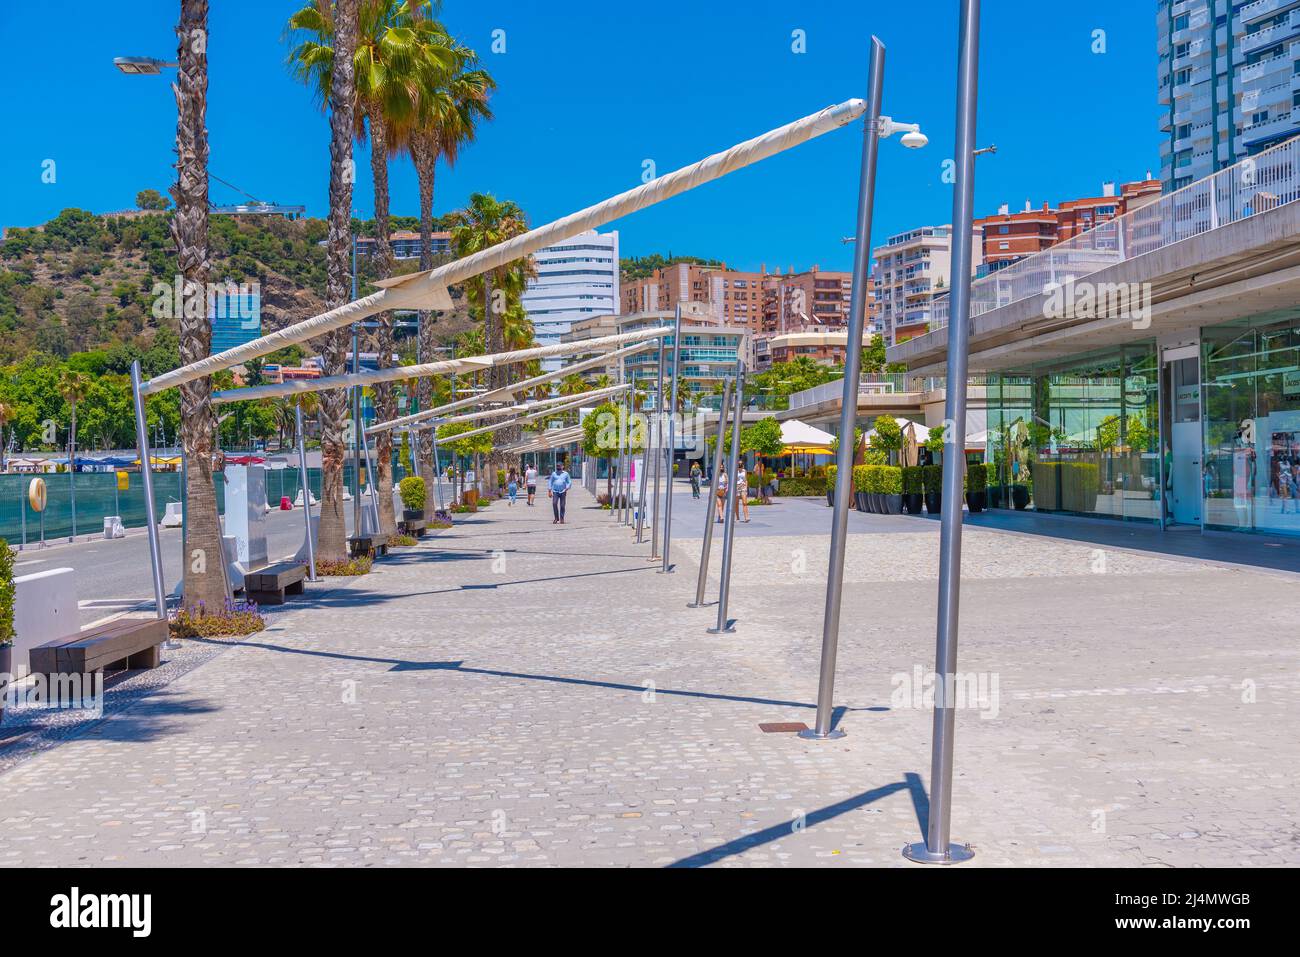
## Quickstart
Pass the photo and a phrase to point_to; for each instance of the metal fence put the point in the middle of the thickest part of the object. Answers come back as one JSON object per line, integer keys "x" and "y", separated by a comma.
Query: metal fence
{"x": 1255, "y": 185}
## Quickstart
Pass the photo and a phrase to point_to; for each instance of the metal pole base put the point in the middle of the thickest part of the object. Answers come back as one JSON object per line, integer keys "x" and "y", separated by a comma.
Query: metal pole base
{"x": 698, "y": 604}
{"x": 729, "y": 630}
{"x": 811, "y": 734}
{"x": 665, "y": 571}
{"x": 955, "y": 854}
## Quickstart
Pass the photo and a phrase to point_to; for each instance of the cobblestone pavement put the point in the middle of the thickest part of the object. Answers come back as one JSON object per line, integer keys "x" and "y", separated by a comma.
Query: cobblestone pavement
{"x": 516, "y": 693}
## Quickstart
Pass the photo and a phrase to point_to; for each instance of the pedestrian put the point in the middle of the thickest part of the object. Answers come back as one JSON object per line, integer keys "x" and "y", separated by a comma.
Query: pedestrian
{"x": 557, "y": 487}
{"x": 696, "y": 472}
{"x": 512, "y": 487}
{"x": 720, "y": 495}
{"x": 530, "y": 483}
{"x": 742, "y": 491}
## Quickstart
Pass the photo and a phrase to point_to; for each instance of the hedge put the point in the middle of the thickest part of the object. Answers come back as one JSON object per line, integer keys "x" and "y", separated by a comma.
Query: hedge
{"x": 1065, "y": 486}
{"x": 913, "y": 481}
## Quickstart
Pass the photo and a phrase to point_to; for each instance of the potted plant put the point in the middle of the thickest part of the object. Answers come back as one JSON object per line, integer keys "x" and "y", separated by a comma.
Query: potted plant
{"x": 932, "y": 481}
{"x": 913, "y": 489}
{"x": 411, "y": 490}
{"x": 976, "y": 487}
{"x": 891, "y": 489}
{"x": 6, "y": 621}
{"x": 861, "y": 488}
{"x": 831, "y": 471}
{"x": 1020, "y": 496}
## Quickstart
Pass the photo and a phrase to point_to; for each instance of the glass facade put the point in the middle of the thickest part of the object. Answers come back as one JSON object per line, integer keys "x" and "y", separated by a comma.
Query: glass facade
{"x": 1212, "y": 435}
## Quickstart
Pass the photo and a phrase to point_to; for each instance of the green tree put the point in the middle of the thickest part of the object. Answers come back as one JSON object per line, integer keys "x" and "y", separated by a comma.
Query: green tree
{"x": 151, "y": 199}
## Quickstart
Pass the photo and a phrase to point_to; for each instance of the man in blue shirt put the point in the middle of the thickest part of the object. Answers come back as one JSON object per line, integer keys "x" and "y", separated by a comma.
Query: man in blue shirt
{"x": 557, "y": 487}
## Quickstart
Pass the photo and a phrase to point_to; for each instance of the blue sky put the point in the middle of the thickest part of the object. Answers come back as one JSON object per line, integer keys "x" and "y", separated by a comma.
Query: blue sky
{"x": 590, "y": 90}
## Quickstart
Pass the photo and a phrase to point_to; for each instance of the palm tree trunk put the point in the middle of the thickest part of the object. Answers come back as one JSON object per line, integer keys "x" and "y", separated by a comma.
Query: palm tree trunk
{"x": 332, "y": 539}
{"x": 204, "y": 574}
{"x": 426, "y": 164}
{"x": 494, "y": 330}
{"x": 385, "y": 397}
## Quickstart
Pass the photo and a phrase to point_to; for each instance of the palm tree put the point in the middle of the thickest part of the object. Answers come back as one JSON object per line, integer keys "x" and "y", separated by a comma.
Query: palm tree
{"x": 325, "y": 59}
{"x": 452, "y": 103}
{"x": 204, "y": 578}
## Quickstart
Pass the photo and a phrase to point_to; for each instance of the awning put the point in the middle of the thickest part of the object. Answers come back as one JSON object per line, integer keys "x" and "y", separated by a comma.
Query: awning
{"x": 800, "y": 437}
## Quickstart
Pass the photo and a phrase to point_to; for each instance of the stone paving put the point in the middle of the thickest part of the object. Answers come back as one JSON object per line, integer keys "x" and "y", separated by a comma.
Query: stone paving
{"x": 516, "y": 693}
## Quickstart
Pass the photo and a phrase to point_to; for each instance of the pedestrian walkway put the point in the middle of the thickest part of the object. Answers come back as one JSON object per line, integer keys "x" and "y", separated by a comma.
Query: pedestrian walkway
{"x": 515, "y": 692}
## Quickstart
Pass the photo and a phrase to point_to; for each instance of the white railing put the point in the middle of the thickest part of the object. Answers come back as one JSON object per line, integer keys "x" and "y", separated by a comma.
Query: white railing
{"x": 1255, "y": 185}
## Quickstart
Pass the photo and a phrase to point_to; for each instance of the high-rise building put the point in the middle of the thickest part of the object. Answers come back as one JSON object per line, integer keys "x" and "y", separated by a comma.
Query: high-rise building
{"x": 576, "y": 279}
{"x": 1225, "y": 79}
{"x": 911, "y": 269}
{"x": 731, "y": 297}
{"x": 236, "y": 317}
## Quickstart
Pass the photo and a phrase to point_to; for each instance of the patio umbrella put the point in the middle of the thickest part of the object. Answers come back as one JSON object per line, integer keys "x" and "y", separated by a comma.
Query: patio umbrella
{"x": 911, "y": 448}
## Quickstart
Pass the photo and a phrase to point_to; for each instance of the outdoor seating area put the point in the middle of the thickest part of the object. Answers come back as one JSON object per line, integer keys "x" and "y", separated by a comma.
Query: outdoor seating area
{"x": 128, "y": 643}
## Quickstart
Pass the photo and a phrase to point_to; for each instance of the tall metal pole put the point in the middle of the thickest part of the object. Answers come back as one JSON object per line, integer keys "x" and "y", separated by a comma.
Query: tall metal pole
{"x": 729, "y": 526}
{"x": 356, "y": 408}
{"x": 437, "y": 475}
{"x": 938, "y": 847}
{"x": 370, "y": 474}
{"x": 645, "y": 474}
{"x": 672, "y": 440}
{"x": 306, "y": 491}
{"x": 146, "y": 478}
{"x": 822, "y": 730}
{"x": 707, "y": 541}
{"x": 659, "y": 453}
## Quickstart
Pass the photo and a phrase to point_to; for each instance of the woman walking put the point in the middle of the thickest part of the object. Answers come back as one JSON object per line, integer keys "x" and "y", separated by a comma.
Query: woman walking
{"x": 512, "y": 487}
{"x": 742, "y": 491}
{"x": 720, "y": 494}
{"x": 695, "y": 479}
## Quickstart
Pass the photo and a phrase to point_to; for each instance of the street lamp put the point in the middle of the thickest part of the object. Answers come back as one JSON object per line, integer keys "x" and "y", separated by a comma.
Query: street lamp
{"x": 142, "y": 65}
{"x": 877, "y": 127}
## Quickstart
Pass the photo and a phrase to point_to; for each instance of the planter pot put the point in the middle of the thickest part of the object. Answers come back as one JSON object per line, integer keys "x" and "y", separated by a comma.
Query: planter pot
{"x": 878, "y": 502}
{"x": 995, "y": 494}
{"x": 893, "y": 504}
{"x": 912, "y": 503}
{"x": 975, "y": 501}
{"x": 6, "y": 669}
{"x": 933, "y": 502}
{"x": 413, "y": 515}
{"x": 861, "y": 501}
{"x": 1020, "y": 497}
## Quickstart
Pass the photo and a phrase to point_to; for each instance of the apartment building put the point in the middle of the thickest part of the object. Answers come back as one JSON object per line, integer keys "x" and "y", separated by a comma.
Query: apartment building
{"x": 576, "y": 279}
{"x": 731, "y": 297}
{"x": 1225, "y": 79}
{"x": 815, "y": 298}
{"x": 911, "y": 270}
{"x": 405, "y": 244}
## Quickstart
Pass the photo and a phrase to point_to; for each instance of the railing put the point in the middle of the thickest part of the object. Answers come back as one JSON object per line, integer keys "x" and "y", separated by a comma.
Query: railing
{"x": 1255, "y": 185}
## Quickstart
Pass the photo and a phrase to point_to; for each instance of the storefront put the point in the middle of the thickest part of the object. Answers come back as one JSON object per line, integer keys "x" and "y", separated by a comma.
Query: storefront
{"x": 1196, "y": 430}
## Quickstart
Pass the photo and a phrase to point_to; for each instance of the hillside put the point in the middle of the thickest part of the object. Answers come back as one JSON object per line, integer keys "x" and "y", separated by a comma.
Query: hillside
{"x": 84, "y": 281}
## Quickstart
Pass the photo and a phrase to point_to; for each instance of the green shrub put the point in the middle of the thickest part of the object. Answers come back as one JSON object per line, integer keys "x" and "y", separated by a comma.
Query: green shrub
{"x": 411, "y": 489}
{"x": 890, "y": 478}
{"x": 913, "y": 480}
{"x": 6, "y": 594}
{"x": 238, "y": 618}
{"x": 401, "y": 541}
{"x": 348, "y": 568}
{"x": 831, "y": 472}
{"x": 874, "y": 456}
{"x": 932, "y": 479}
{"x": 861, "y": 478}
{"x": 977, "y": 478}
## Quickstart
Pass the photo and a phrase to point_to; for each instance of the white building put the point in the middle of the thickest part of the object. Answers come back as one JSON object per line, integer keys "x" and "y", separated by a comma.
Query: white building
{"x": 575, "y": 280}
{"x": 911, "y": 269}
{"x": 1226, "y": 82}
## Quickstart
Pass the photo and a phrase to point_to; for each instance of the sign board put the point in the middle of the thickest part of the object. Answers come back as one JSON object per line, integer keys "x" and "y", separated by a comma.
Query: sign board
{"x": 1291, "y": 384}
{"x": 246, "y": 513}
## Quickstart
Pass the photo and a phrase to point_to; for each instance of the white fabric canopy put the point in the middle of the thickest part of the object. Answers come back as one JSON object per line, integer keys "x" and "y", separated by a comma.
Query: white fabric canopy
{"x": 428, "y": 290}
{"x": 922, "y": 433}
{"x": 794, "y": 432}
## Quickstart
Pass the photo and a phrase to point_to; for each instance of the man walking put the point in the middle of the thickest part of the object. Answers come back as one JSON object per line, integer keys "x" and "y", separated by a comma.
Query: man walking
{"x": 557, "y": 487}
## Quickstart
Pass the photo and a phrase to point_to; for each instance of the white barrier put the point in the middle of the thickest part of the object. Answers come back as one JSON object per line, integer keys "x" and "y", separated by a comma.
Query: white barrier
{"x": 113, "y": 527}
{"x": 172, "y": 517}
{"x": 45, "y": 608}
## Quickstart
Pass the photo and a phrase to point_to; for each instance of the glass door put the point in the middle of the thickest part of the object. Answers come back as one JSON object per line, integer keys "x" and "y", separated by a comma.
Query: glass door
{"x": 1183, "y": 445}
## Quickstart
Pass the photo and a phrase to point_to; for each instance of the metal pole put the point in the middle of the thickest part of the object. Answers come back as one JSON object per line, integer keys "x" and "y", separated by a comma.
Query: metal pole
{"x": 822, "y": 730}
{"x": 306, "y": 491}
{"x": 370, "y": 476}
{"x": 437, "y": 475}
{"x": 708, "y": 504}
{"x": 938, "y": 848}
{"x": 672, "y": 439}
{"x": 645, "y": 474}
{"x": 659, "y": 453}
{"x": 146, "y": 477}
{"x": 729, "y": 523}
{"x": 72, "y": 475}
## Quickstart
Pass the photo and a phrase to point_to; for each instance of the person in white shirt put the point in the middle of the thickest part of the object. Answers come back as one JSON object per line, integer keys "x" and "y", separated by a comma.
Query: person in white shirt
{"x": 742, "y": 491}
{"x": 530, "y": 482}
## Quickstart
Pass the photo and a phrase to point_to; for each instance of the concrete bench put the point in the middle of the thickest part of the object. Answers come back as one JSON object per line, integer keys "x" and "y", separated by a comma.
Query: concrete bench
{"x": 124, "y": 643}
{"x": 367, "y": 545}
{"x": 415, "y": 527}
{"x": 270, "y": 585}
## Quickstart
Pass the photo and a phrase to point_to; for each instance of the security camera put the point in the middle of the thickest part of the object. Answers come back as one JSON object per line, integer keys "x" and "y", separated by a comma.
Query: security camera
{"x": 914, "y": 141}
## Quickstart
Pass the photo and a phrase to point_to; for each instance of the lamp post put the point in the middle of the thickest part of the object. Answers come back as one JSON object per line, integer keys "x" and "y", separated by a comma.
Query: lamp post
{"x": 877, "y": 128}
{"x": 937, "y": 847}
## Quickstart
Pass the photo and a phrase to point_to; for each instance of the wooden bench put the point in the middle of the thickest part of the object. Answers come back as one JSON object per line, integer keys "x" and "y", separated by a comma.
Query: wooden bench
{"x": 269, "y": 585}
{"x": 124, "y": 643}
{"x": 367, "y": 545}
{"x": 414, "y": 527}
